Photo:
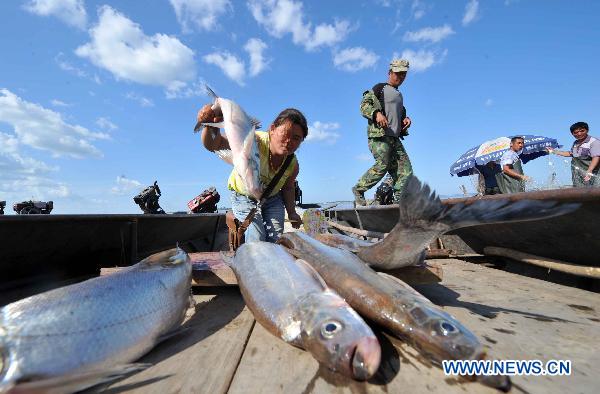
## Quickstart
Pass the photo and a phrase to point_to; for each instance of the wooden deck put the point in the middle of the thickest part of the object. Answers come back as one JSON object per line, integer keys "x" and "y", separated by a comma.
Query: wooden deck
{"x": 224, "y": 350}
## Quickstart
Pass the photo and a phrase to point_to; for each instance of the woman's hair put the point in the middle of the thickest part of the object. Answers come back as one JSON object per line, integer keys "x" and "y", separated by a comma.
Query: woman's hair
{"x": 294, "y": 116}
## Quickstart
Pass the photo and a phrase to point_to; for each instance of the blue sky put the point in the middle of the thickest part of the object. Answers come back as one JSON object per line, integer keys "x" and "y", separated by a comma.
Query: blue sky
{"x": 98, "y": 98}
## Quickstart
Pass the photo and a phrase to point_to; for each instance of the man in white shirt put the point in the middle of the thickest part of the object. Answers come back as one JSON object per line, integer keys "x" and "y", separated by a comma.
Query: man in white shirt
{"x": 512, "y": 179}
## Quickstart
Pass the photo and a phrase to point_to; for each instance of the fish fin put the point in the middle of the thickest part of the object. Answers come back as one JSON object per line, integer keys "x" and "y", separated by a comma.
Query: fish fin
{"x": 406, "y": 286}
{"x": 71, "y": 383}
{"x": 168, "y": 257}
{"x": 304, "y": 265}
{"x": 225, "y": 155}
{"x": 255, "y": 122}
{"x": 210, "y": 92}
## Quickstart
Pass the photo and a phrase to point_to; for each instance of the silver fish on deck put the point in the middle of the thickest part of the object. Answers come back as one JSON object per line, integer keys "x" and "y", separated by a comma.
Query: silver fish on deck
{"x": 423, "y": 217}
{"x": 77, "y": 336}
{"x": 391, "y": 303}
{"x": 292, "y": 302}
{"x": 239, "y": 130}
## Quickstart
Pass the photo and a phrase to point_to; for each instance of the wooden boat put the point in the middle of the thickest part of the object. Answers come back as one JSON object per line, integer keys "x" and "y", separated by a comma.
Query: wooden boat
{"x": 46, "y": 250}
{"x": 222, "y": 349}
{"x": 572, "y": 238}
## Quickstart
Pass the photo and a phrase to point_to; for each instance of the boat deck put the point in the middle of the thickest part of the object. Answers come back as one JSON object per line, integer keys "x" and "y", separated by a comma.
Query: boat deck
{"x": 224, "y": 350}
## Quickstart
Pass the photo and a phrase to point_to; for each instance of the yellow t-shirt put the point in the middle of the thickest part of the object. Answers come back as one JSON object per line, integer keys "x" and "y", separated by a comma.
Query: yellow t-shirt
{"x": 236, "y": 183}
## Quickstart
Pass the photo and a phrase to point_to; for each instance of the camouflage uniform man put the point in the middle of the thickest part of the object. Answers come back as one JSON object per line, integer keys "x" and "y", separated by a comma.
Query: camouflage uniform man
{"x": 383, "y": 106}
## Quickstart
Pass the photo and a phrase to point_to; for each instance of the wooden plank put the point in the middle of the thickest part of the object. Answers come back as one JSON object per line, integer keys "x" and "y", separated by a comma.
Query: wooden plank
{"x": 211, "y": 270}
{"x": 204, "y": 357}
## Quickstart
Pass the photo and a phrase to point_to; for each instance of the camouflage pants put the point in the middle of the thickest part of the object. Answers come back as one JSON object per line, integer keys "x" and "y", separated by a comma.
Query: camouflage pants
{"x": 390, "y": 157}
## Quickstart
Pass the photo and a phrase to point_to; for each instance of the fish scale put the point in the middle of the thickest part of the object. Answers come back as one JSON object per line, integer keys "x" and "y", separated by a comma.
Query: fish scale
{"x": 95, "y": 324}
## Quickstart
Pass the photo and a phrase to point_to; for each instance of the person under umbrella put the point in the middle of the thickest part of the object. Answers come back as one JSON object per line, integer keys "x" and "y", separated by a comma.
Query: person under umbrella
{"x": 512, "y": 179}
{"x": 585, "y": 153}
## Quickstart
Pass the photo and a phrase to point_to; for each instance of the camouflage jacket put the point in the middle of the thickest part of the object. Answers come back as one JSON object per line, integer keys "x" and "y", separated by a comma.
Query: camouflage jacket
{"x": 369, "y": 106}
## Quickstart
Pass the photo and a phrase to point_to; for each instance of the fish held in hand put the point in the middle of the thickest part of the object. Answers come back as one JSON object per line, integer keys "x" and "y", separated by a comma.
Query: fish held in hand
{"x": 239, "y": 130}
{"x": 423, "y": 217}
{"x": 389, "y": 302}
{"x": 291, "y": 301}
{"x": 77, "y": 336}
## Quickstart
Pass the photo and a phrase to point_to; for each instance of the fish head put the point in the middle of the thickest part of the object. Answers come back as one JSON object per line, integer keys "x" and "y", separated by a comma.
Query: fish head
{"x": 338, "y": 337}
{"x": 441, "y": 337}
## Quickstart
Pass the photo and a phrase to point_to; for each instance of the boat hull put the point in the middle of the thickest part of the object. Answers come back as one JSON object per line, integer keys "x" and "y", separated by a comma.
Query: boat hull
{"x": 40, "y": 252}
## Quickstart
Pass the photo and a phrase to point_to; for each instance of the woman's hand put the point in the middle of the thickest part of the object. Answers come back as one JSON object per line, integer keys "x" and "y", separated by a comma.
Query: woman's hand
{"x": 206, "y": 114}
{"x": 295, "y": 219}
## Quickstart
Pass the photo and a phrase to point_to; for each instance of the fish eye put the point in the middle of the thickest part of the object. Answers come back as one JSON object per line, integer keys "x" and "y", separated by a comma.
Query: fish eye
{"x": 330, "y": 328}
{"x": 447, "y": 328}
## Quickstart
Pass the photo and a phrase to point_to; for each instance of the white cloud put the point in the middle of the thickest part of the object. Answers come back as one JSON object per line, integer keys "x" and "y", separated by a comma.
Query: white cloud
{"x": 70, "y": 68}
{"x": 201, "y": 13}
{"x": 326, "y": 132}
{"x": 231, "y": 66}
{"x": 422, "y": 59}
{"x": 120, "y": 46}
{"x": 23, "y": 177}
{"x": 59, "y": 103}
{"x": 431, "y": 34}
{"x": 281, "y": 17}
{"x": 125, "y": 185}
{"x": 489, "y": 102}
{"x": 46, "y": 130}
{"x": 71, "y": 12}
{"x": 418, "y": 9}
{"x": 258, "y": 62}
{"x": 142, "y": 101}
{"x": 106, "y": 124}
{"x": 471, "y": 12}
{"x": 354, "y": 59}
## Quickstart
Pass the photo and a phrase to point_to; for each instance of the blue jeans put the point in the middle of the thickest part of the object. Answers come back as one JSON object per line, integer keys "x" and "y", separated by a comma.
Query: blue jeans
{"x": 267, "y": 224}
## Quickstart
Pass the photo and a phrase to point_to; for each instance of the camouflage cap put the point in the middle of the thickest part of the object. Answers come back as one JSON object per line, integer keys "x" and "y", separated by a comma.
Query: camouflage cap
{"x": 399, "y": 65}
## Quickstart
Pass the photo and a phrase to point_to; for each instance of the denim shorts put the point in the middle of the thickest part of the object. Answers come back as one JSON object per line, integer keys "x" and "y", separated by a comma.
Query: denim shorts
{"x": 267, "y": 224}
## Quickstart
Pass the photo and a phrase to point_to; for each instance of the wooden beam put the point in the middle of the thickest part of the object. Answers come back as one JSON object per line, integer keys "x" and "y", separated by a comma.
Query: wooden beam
{"x": 557, "y": 265}
{"x": 357, "y": 231}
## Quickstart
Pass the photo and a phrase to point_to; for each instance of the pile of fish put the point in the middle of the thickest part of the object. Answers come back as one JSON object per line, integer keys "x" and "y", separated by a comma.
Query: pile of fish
{"x": 77, "y": 336}
{"x": 275, "y": 286}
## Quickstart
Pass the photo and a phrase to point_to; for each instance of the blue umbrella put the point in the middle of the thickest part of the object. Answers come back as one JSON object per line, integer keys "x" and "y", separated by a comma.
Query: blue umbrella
{"x": 535, "y": 146}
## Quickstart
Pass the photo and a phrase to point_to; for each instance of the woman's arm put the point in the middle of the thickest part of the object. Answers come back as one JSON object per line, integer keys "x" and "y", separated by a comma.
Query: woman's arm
{"x": 289, "y": 198}
{"x": 211, "y": 137}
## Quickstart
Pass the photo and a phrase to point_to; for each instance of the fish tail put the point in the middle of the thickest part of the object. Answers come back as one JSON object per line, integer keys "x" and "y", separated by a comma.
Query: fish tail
{"x": 418, "y": 203}
{"x": 418, "y": 223}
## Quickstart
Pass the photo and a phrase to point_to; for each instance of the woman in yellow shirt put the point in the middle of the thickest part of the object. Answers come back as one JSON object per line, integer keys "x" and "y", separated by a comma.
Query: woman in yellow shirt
{"x": 283, "y": 138}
